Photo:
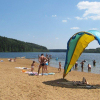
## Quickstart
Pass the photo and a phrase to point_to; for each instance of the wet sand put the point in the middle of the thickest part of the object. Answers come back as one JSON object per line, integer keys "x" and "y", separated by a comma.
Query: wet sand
{"x": 16, "y": 85}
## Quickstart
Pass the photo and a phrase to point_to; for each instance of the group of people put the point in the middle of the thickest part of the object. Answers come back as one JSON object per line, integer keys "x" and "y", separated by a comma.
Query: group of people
{"x": 82, "y": 64}
{"x": 12, "y": 60}
{"x": 44, "y": 61}
{"x": 43, "y": 64}
{"x": 47, "y": 56}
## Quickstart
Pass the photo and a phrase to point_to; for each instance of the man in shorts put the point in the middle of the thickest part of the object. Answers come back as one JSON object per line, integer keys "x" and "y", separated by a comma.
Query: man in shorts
{"x": 42, "y": 60}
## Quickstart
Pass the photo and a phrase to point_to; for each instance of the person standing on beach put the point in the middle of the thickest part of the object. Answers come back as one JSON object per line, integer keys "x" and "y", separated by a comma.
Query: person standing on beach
{"x": 59, "y": 67}
{"x": 42, "y": 60}
{"x": 32, "y": 66}
{"x": 48, "y": 59}
{"x": 38, "y": 57}
{"x": 46, "y": 55}
{"x": 45, "y": 66}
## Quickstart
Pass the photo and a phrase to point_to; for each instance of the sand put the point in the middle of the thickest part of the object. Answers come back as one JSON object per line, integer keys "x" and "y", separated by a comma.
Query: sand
{"x": 16, "y": 85}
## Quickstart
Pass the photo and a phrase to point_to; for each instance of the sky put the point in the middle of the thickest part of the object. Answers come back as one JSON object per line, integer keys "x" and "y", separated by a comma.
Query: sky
{"x": 49, "y": 23}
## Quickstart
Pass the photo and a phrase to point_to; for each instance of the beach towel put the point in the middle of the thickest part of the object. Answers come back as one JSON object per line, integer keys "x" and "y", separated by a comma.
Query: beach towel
{"x": 71, "y": 84}
{"x": 22, "y": 68}
{"x": 51, "y": 73}
{"x": 36, "y": 73}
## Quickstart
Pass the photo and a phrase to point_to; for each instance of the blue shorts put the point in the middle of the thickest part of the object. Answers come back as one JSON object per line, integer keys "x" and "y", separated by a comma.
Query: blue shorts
{"x": 46, "y": 63}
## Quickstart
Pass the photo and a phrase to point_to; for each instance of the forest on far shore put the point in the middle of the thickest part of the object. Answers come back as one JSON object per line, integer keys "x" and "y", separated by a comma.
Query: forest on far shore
{"x": 97, "y": 50}
{"x": 13, "y": 45}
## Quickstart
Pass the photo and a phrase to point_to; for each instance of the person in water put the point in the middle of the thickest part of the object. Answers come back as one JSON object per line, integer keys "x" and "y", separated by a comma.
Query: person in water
{"x": 89, "y": 66}
{"x": 94, "y": 62}
{"x": 76, "y": 64}
{"x": 82, "y": 64}
{"x": 42, "y": 61}
{"x": 84, "y": 60}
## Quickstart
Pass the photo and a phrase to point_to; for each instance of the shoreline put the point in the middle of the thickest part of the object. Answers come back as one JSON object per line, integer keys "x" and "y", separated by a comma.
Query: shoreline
{"x": 16, "y": 85}
{"x": 55, "y": 64}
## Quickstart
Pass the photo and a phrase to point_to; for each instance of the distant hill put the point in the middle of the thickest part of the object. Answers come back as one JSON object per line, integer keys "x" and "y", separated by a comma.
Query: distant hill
{"x": 13, "y": 45}
{"x": 57, "y": 50}
{"x": 97, "y": 50}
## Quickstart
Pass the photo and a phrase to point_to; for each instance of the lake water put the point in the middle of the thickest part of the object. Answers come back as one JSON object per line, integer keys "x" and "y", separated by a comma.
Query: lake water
{"x": 89, "y": 57}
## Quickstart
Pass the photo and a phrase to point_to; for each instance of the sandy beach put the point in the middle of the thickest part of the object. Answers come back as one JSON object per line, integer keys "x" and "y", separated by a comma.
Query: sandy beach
{"x": 17, "y": 85}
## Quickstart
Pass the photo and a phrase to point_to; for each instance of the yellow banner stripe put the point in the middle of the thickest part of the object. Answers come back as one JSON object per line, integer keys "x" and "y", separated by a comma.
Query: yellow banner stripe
{"x": 81, "y": 45}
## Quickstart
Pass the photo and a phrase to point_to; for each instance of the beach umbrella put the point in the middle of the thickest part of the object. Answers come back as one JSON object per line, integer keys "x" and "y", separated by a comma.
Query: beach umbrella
{"x": 76, "y": 45}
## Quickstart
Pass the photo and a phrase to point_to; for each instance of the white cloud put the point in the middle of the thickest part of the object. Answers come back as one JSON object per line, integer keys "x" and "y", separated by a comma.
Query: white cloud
{"x": 92, "y": 9}
{"x": 75, "y": 28}
{"x": 54, "y": 15}
{"x": 64, "y": 21}
{"x": 57, "y": 38}
{"x": 81, "y": 18}
{"x": 95, "y": 17}
{"x": 94, "y": 29}
{"x": 78, "y": 18}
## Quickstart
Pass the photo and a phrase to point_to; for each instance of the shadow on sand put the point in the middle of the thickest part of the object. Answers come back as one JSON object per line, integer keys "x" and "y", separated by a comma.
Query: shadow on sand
{"x": 69, "y": 84}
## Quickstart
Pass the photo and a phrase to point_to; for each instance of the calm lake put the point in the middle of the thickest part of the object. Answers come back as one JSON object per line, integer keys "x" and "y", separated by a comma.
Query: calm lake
{"x": 89, "y": 57}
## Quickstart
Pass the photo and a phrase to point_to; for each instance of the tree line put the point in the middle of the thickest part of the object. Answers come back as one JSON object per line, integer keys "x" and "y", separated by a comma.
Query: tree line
{"x": 57, "y": 50}
{"x": 97, "y": 50}
{"x": 13, "y": 45}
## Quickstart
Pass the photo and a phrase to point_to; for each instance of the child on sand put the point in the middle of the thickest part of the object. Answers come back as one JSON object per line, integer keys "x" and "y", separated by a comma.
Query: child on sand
{"x": 59, "y": 66}
{"x": 32, "y": 66}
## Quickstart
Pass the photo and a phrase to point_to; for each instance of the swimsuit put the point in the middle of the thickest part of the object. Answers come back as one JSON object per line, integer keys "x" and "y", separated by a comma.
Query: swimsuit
{"x": 46, "y": 63}
{"x": 42, "y": 64}
{"x": 32, "y": 66}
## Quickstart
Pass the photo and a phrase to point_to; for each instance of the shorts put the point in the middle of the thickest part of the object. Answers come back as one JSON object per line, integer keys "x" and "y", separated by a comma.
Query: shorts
{"x": 42, "y": 64}
{"x": 46, "y": 63}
